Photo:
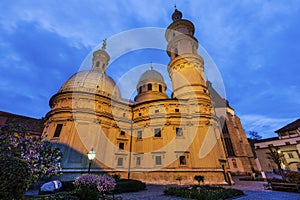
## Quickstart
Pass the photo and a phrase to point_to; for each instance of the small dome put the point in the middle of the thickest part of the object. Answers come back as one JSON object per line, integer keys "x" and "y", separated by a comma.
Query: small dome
{"x": 92, "y": 81}
{"x": 151, "y": 76}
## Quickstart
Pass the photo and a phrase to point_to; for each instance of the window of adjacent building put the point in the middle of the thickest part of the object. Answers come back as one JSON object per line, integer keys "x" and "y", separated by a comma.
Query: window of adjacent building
{"x": 158, "y": 160}
{"x": 138, "y": 161}
{"x": 140, "y": 89}
{"x": 120, "y": 162}
{"x": 234, "y": 163}
{"x": 176, "y": 110}
{"x": 139, "y": 135}
{"x": 179, "y": 132}
{"x": 122, "y": 133}
{"x": 58, "y": 130}
{"x": 121, "y": 145}
{"x": 291, "y": 155}
{"x": 159, "y": 88}
{"x": 157, "y": 132}
{"x": 182, "y": 160}
{"x": 287, "y": 143}
{"x": 149, "y": 87}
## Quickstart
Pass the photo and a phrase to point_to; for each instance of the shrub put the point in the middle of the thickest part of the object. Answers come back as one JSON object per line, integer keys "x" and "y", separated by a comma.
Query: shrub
{"x": 129, "y": 185}
{"x": 293, "y": 177}
{"x": 89, "y": 186}
{"x": 116, "y": 177}
{"x": 203, "y": 192}
{"x": 16, "y": 177}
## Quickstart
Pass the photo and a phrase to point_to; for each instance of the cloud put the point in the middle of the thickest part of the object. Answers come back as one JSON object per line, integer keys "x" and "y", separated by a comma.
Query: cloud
{"x": 265, "y": 126}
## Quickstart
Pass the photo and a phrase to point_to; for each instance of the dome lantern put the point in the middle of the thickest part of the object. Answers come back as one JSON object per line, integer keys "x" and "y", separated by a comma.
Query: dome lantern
{"x": 100, "y": 58}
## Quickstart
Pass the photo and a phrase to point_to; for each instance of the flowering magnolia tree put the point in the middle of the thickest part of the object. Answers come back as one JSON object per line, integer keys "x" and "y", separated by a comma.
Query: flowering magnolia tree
{"x": 89, "y": 186}
{"x": 42, "y": 157}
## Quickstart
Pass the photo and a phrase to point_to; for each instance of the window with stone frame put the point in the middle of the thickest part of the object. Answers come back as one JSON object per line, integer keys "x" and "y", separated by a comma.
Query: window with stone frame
{"x": 182, "y": 160}
{"x": 120, "y": 161}
{"x": 179, "y": 132}
{"x": 121, "y": 146}
{"x": 138, "y": 161}
{"x": 122, "y": 133}
{"x": 158, "y": 160}
{"x": 157, "y": 132}
{"x": 140, "y": 135}
{"x": 149, "y": 87}
{"x": 291, "y": 155}
{"x": 58, "y": 130}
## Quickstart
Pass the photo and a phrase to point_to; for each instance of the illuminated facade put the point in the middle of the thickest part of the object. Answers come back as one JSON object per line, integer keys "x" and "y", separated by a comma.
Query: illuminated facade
{"x": 153, "y": 138}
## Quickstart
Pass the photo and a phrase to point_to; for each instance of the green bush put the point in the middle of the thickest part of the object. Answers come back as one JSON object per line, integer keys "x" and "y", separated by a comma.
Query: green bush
{"x": 203, "y": 192}
{"x": 129, "y": 185}
{"x": 15, "y": 176}
{"x": 90, "y": 193}
{"x": 67, "y": 186}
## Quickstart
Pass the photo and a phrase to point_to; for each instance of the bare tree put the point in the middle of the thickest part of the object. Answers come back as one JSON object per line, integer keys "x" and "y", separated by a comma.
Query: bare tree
{"x": 278, "y": 158}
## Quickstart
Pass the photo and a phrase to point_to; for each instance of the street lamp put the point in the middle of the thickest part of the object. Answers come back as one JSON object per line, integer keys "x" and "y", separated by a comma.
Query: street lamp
{"x": 91, "y": 155}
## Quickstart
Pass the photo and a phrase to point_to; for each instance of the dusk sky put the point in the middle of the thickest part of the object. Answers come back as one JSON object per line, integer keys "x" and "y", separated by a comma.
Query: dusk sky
{"x": 255, "y": 45}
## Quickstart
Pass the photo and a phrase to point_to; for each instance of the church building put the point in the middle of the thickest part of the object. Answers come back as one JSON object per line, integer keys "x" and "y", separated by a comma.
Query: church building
{"x": 154, "y": 138}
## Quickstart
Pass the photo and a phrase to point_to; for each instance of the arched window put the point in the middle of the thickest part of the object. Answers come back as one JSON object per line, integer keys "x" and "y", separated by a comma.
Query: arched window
{"x": 140, "y": 89}
{"x": 160, "y": 88}
{"x": 97, "y": 64}
{"x": 149, "y": 87}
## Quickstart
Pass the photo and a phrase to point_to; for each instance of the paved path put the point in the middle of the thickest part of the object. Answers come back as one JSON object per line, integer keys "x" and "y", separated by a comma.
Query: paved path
{"x": 252, "y": 189}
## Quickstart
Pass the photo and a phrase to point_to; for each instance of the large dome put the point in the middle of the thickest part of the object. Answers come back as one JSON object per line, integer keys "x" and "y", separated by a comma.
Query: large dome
{"x": 151, "y": 76}
{"x": 92, "y": 81}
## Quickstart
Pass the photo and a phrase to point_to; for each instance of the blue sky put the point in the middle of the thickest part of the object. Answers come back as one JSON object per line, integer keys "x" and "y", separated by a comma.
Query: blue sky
{"x": 254, "y": 43}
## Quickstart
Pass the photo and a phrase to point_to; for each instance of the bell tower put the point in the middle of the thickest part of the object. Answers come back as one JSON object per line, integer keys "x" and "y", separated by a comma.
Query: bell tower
{"x": 186, "y": 67}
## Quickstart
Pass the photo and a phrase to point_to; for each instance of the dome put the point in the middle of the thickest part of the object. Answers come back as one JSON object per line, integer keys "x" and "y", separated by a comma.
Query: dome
{"x": 92, "y": 81}
{"x": 151, "y": 76}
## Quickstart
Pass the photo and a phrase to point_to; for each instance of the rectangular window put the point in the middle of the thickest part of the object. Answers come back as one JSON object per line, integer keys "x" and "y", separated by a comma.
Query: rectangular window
{"x": 57, "y": 130}
{"x": 158, "y": 160}
{"x": 149, "y": 87}
{"x": 122, "y": 133}
{"x": 176, "y": 110}
{"x": 140, "y": 89}
{"x": 157, "y": 132}
{"x": 138, "y": 161}
{"x": 139, "y": 135}
{"x": 156, "y": 111}
{"x": 179, "y": 132}
{"x": 182, "y": 160}
{"x": 121, "y": 146}
{"x": 160, "y": 88}
{"x": 120, "y": 162}
{"x": 291, "y": 155}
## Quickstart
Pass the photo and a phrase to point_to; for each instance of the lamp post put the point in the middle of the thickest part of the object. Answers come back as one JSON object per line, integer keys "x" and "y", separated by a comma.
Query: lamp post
{"x": 91, "y": 155}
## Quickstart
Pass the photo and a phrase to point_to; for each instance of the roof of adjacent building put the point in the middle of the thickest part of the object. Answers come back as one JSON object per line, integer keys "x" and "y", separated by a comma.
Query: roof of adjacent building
{"x": 32, "y": 125}
{"x": 291, "y": 126}
{"x": 267, "y": 140}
